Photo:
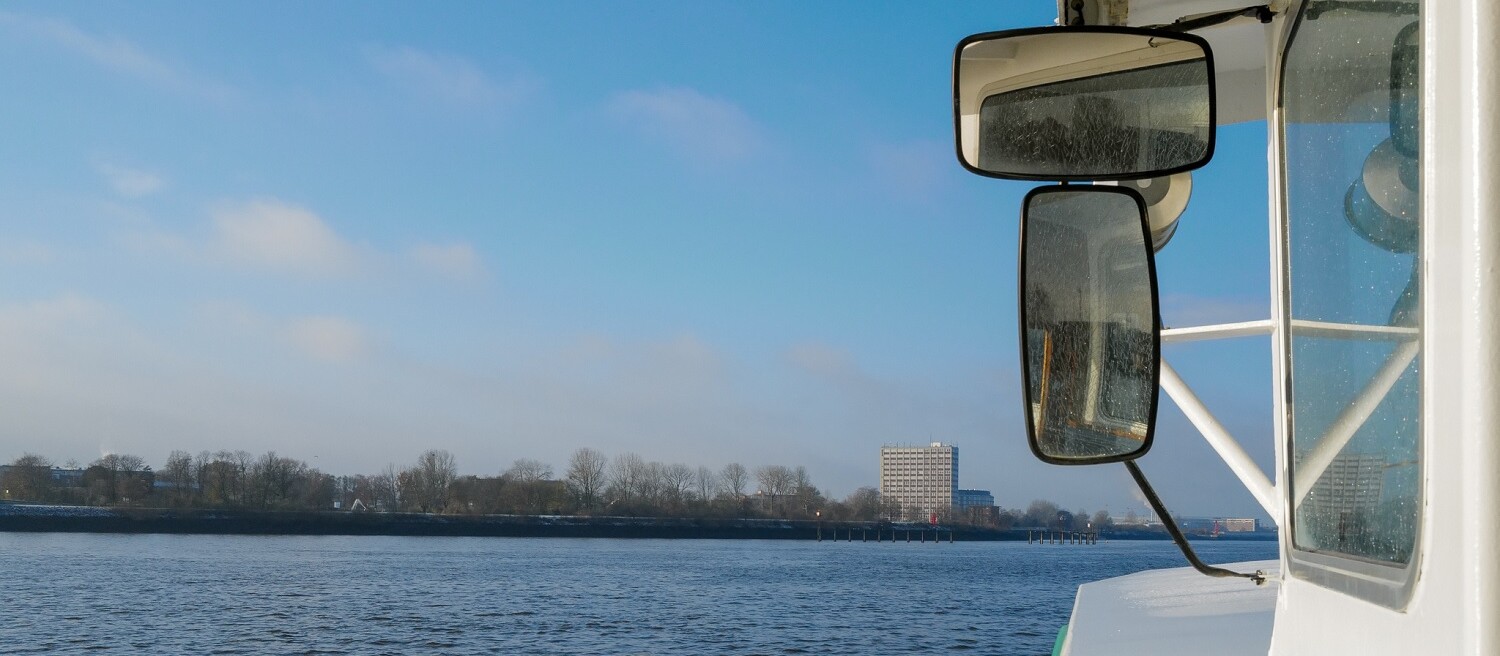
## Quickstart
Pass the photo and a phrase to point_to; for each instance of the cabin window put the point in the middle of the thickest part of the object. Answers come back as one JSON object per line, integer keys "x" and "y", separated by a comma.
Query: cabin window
{"x": 1350, "y": 130}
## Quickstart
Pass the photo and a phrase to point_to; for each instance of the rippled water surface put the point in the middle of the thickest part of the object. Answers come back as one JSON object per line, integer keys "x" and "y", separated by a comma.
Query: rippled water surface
{"x": 71, "y": 593}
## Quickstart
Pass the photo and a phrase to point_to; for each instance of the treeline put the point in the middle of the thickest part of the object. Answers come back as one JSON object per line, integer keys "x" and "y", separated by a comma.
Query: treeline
{"x": 591, "y": 484}
{"x": 1047, "y": 515}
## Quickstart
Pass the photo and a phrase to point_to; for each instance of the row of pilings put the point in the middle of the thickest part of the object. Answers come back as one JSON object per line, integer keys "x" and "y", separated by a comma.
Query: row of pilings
{"x": 935, "y": 534}
{"x": 1061, "y": 537}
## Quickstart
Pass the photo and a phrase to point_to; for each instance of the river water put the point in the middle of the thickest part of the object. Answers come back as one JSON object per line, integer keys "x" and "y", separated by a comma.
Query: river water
{"x": 75, "y": 593}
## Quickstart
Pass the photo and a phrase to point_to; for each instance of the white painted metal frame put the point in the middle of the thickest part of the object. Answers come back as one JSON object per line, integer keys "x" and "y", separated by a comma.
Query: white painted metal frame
{"x": 1223, "y": 443}
{"x": 1214, "y": 432}
{"x": 1339, "y": 433}
{"x": 1351, "y": 419}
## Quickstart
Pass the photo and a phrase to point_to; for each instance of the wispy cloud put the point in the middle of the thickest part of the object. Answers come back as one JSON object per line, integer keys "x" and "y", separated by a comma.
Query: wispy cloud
{"x": 23, "y": 252}
{"x": 130, "y": 182}
{"x": 913, "y": 169}
{"x": 1184, "y": 310}
{"x": 276, "y": 236}
{"x": 20, "y": 321}
{"x": 323, "y": 338}
{"x": 701, "y": 128}
{"x": 328, "y": 338}
{"x": 821, "y": 360}
{"x": 117, "y": 54}
{"x": 457, "y": 261}
{"x": 273, "y": 236}
{"x": 449, "y": 79}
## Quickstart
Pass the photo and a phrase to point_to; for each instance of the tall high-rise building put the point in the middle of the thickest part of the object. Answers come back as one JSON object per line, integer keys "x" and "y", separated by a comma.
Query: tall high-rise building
{"x": 1351, "y": 486}
{"x": 919, "y": 480}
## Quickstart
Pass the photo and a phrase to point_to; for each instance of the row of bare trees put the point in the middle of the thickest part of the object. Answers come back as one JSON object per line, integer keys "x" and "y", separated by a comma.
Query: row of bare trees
{"x": 223, "y": 479}
{"x": 591, "y": 484}
{"x": 1047, "y": 515}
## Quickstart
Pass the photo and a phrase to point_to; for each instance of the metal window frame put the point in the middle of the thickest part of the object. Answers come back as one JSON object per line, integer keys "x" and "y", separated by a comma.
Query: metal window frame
{"x": 1390, "y": 585}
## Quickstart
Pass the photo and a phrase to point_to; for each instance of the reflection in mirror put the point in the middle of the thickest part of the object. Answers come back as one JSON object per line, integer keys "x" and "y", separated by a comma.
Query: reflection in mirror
{"x": 1075, "y": 104}
{"x": 1089, "y": 329}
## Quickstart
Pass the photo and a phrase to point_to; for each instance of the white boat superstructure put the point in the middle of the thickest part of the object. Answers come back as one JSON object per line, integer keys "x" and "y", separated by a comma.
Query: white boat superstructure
{"x": 1383, "y": 120}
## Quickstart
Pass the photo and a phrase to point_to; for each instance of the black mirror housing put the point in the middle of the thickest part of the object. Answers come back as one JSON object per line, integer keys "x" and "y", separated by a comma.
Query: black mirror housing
{"x": 1090, "y": 327}
{"x": 1083, "y": 103}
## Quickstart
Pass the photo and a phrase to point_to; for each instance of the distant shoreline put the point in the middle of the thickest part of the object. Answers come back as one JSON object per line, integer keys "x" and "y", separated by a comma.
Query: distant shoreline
{"x": 20, "y": 518}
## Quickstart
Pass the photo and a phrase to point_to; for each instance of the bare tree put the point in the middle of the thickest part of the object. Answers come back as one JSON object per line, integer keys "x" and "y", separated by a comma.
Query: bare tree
{"x": 222, "y": 477}
{"x": 704, "y": 483}
{"x": 864, "y": 504}
{"x": 1102, "y": 521}
{"x": 387, "y": 489}
{"x": 29, "y": 478}
{"x": 676, "y": 478}
{"x": 274, "y": 481}
{"x": 438, "y": 471}
{"x": 775, "y": 480}
{"x": 178, "y": 476}
{"x": 1041, "y": 513}
{"x": 734, "y": 479}
{"x": 118, "y": 478}
{"x": 586, "y": 476}
{"x": 424, "y": 486}
{"x": 527, "y": 470}
{"x": 650, "y": 488}
{"x": 529, "y": 479}
{"x": 809, "y": 498}
{"x": 625, "y": 475}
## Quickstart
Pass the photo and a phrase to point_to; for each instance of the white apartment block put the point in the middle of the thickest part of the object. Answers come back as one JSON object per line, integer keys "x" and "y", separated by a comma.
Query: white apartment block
{"x": 920, "y": 480}
{"x": 1351, "y": 486}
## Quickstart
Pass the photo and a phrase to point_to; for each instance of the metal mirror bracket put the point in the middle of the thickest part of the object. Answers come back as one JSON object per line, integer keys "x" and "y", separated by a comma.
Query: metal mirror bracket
{"x": 1259, "y": 577}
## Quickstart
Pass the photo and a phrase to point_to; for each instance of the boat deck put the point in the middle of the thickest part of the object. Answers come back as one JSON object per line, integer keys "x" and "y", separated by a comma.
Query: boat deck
{"x": 1169, "y": 611}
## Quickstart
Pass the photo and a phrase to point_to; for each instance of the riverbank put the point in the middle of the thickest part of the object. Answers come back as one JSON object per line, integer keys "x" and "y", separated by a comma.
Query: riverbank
{"x": 77, "y": 519}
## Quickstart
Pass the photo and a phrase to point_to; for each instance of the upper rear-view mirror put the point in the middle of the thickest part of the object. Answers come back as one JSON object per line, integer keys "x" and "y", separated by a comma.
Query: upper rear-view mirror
{"x": 1083, "y": 103}
{"x": 1089, "y": 330}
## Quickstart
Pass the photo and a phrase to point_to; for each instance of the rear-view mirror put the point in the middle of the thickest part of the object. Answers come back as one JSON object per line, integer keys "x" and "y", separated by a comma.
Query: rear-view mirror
{"x": 1083, "y": 103}
{"x": 1089, "y": 328}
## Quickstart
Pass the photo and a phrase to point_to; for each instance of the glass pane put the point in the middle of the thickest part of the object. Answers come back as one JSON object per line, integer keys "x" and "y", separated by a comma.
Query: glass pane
{"x": 1150, "y": 119}
{"x": 1353, "y": 212}
{"x": 1090, "y": 348}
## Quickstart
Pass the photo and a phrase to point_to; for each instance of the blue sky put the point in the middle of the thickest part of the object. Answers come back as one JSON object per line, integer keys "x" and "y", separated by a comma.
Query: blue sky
{"x": 701, "y": 232}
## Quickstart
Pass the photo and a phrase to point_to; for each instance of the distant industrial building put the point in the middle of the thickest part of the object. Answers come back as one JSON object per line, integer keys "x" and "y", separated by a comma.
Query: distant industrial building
{"x": 919, "y": 481}
{"x": 1239, "y": 524}
{"x": 967, "y": 499}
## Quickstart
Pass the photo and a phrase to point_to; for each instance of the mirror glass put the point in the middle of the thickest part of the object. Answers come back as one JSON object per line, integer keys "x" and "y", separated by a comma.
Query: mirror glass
{"x": 1083, "y": 103}
{"x": 1088, "y": 320}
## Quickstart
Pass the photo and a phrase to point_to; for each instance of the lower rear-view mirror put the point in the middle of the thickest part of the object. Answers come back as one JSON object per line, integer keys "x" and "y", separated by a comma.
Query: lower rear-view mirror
{"x": 1089, "y": 329}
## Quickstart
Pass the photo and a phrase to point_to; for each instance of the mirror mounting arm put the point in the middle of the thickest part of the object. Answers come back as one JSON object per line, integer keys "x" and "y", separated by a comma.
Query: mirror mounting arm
{"x": 1177, "y": 536}
{"x": 1262, "y": 13}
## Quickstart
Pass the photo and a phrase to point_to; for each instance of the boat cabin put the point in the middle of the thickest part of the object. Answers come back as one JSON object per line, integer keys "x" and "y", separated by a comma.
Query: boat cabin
{"x": 1383, "y": 163}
